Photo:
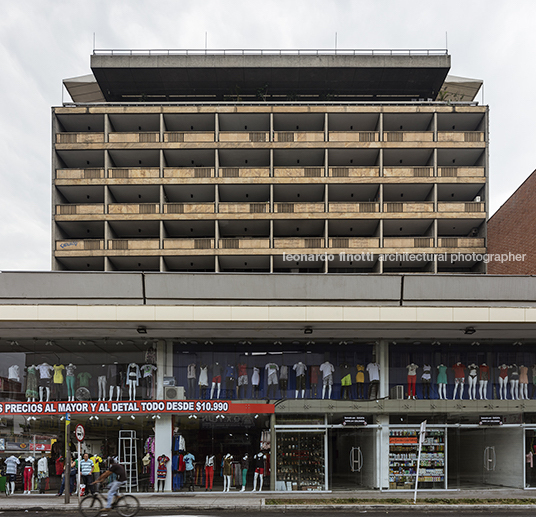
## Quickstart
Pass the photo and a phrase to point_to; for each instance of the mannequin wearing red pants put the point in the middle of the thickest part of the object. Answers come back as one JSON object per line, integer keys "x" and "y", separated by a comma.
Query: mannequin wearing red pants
{"x": 412, "y": 379}
{"x": 209, "y": 472}
{"x": 28, "y": 475}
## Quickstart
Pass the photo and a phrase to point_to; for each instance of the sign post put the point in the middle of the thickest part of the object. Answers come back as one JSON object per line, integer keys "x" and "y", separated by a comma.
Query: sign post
{"x": 67, "y": 468}
{"x": 422, "y": 436}
{"x": 80, "y": 434}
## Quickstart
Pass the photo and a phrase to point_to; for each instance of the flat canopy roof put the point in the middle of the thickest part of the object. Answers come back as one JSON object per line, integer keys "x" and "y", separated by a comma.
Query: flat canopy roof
{"x": 129, "y": 76}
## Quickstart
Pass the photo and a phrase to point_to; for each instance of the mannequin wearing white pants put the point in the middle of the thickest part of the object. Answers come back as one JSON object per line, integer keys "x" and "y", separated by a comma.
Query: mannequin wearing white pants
{"x": 102, "y": 387}
{"x": 118, "y": 388}
{"x": 227, "y": 475}
{"x": 442, "y": 388}
{"x": 131, "y": 389}
{"x": 471, "y": 380}
{"x": 503, "y": 383}
{"x": 458, "y": 382}
{"x": 212, "y": 390}
{"x": 514, "y": 389}
{"x": 483, "y": 391}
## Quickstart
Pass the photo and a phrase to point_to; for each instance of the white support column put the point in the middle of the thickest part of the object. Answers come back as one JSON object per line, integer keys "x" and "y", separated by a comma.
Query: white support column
{"x": 383, "y": 359}
{"x": 382, "y": 452}
{"x": 163, "y": 445}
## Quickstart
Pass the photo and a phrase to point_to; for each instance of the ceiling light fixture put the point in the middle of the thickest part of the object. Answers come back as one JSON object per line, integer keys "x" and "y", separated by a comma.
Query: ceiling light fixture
{"x": 142, "y": 330}
{"x": 469, "y": 330}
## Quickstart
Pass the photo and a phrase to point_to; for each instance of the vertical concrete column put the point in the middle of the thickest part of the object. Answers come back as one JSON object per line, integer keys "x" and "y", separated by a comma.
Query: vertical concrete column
{"x": 216, "y": 127}
{"x": 271, "y": 136}
{"x": 162, "y": 127}
{"x": 382, "y": 452}
{"x": 271, "y": 263}
{"x": 434, "y": 157}
{"x": 164, "y": 365}
{"x": 434, "y": 126}
{"x": 273, "y": 449}
{"x": 380, "y": 127}
{"x": 271, "y": 233}
{"x": 163, "y": 436}
{"x": 326, "y": 128}
{"x": 326, "y": 162}
{"x": 380, "y": 159}
{"x": 326, "y": 244}
{"x": 216, "y": 163}
{"x": 107, "y": 128}
{"x": 271, "y": 163}
{"x": 216, "y": 235}
{"x": 382, "y": 357}
{"x": 162, "y": 236}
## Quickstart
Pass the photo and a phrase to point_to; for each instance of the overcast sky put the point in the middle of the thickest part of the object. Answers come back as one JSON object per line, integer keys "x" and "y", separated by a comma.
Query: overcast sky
{"x": 45, "y": 41}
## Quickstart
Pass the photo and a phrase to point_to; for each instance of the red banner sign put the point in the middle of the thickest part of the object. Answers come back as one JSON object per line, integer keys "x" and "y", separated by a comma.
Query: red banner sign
{"x": 133, "y": 407}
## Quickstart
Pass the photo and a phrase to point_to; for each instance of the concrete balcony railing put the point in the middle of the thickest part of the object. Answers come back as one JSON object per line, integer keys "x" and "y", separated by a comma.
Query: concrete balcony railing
{"x": 299, "y": 136}
{"x": 461, "y": 172}
{"x": 354, "y": 172}
{"x": 244, "y": 136}
{"x": 298, "y": 242}
{"x": 460, "y": 136}
{"x": 80, "y": 245}
{"x": 408, "y": 242}
{"x": 244, "y": 243}
{"x": 461, "y": 242}
{"x": 189, "y": 208}
{"x": 81, "y": 209}
{"x": 79, "y": 138}
{"x": 79, "y": 174}
{"x": 134, "y": 208}
{"x": 202, "y": 243}
{"x": 354, "y": 136}
{"x": 408, "y": 136}
{"x": 408, "y": 172}
{"x": 359, "y": 207}
{"x": 188, "y": 172}
{"x": 409, "y": 208}
{"x": 134, "y": 244}
{"x": 244, "y": 172}
{"x": 354, "y": 242}
{"x": 298, "y": 172}
{"x": 299, "y": 208}
{"x": 135, "y": 172}
{"x": 243, "y": 208}
{"x": 134, "y": 138}
{"x": 453, "y": 206}
{"x": 189, "y": 136}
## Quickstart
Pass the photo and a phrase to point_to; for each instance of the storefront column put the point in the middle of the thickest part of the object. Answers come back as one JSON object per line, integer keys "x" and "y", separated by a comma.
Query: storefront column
{"x": 273, "y": 449}
{"x": 382, "y": 452}
{"x": 382, "y": 358}
{"x": 164, "y": 365}
{"x": 163, "y": 432}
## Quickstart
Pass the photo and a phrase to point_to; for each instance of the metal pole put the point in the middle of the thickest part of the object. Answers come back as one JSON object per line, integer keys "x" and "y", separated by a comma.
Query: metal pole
{"x": 67, "y": 469}
{"x": 422, "y": 434}
{"x": 78, "y": 479}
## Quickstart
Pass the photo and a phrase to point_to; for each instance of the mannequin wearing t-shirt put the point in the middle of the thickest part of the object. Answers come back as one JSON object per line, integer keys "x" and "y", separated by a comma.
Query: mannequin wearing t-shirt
{"x": 203, "y": 381}
{"x": 230, "y": 380}
{"x": 70, "y": 381}
{"x": 11, "y": 471}
{"x": 300, "y": 369}
{"x": 514, "y": 382}
{"x": 147, "y": 379}
{"x": 255, "y": 381}
{"x": 327, "y": 370}
{"x": 523, "y": 382}
{"x": 283, "y": 381}
{"x": 272, "y": 370}
{"x": 412, "y": 379}
{"x": 459, "y": 379}
{"x": 31, "y": 383}
{"x": 373, "y": 370}
{"x": 57, "y": 381}
{"x": 503, "y": 381}
{"x": 227, "y": 472}
{"x": 360, "y": 380}
{"x": 45, "y": 378}
{"x": 133, "y": 379}
{"x": 442, "y": 381}
{"x": 114, "y": 381}
{"x": 346, "y": 381}
{"x": 426, "y": 379}
{"x": 242, "y": 384}
{"x": 14, "y": 373}
{"x": 471, "y": 380}
{"x": 258, "y": 464}
{"x": 216, "y": 380}
{"x": 483, "y": 379}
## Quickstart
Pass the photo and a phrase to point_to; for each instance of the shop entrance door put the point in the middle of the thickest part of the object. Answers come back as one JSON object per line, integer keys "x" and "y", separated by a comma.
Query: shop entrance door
{"x": 352, "y": 458}
{"x": 486, "y": 457}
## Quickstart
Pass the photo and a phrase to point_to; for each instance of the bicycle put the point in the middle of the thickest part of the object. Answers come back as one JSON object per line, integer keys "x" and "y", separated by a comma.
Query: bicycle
{"x": 126, "y": 505}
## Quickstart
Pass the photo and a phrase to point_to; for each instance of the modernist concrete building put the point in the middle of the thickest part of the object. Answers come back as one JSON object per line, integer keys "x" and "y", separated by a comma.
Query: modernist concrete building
{"x": 202, "y": 161}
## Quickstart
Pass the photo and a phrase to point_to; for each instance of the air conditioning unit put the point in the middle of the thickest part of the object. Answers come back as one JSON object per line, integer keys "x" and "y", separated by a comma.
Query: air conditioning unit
{"x": 397, "y": 392}
{"x": 174, "y": 392}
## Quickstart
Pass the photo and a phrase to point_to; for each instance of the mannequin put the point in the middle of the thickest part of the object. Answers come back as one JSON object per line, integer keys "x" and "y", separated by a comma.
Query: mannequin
{"x": 191, "y": 374}
{"x": 272, "y": 370}
{"x": 133, "y": 379}
{"x": 523, "y": 382}
{"x": 230, "y": 381}
{"x": 28, "y": 474}
{"x": 42, "y": 473}
{"x": 503, "y": 381}
{"x": 483, "y": 381}
{"x": 459, "y": 379}
{"x": 442, "y": 381}
{"x": 216, "y": 380}
{"x": 147, "y": 379}
{"x": 426, "y": 379}
{"x": 471, "y": 379}
{"x": 314, "y": 372}
{"x": 101, "y": 381}
{"x": 327, "y": 370}
{"x": 258, "y": 463}
{"x": 14, "y": 373}
{"x": 241, "y": 388}
{"x": 57, "y": 381}
{"x": 114, "y": 380}
{"x": 203, "y": 381}
{"x": 283, "y": 381}
{"x": 70, "y": 381}
{"x": 300, "y": 368}
{"x": 209, "y": 472}
{"x": 514, "y": 382}
{"x": 150, "y": 354}
{"x": 161, "y": 472}
{"x": 227, "y": 472}
{"x": 189, "y": 459}
{"x": 31, "y": 383}
{"x": 255, "y": 381}
{"x": 11, "y": 471}
{"x": 346, "y": 381}
{"x": 412, "y": 379}
{"x": 244, "y": 464}
{"x": 45, "y": 376}
{"x": 373, "y": 370}
{"x": 360, "y": 381}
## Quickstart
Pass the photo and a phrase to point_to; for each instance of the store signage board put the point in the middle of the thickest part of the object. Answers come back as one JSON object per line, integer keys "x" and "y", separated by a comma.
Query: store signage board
{"x": 80, "y": 432}
{"x": 356, "y": 421}
{"x": 491, "y": 420}
{"x": 140, "y": 407}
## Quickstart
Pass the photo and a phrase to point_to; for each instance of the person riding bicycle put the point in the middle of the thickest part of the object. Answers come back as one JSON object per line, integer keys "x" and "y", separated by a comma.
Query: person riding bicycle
{"x": 117, "y": 469}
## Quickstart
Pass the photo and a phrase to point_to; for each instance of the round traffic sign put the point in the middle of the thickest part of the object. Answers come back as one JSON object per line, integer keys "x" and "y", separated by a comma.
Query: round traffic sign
{"x": 80, "y": 432}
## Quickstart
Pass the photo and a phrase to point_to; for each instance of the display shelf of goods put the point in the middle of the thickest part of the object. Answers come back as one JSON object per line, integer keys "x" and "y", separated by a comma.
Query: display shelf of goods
{"x": 403, "y": 455}
{"x": 300, "y": 461}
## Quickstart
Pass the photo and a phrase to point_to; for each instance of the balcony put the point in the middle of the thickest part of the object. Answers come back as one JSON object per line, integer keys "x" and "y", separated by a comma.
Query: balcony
{"x": 134, "y": 208}
{"x": 408, "y": 136}
{"x": 189, "y": 172}
{"x": 461, "y": 242}
{"x": 244, "y": 136}
{"x": 408, "y": 242}
{"x": 298, "y": 242}
{"x": 189, "y": 244}
{"x": 354, "y": 136}
{"x": 79, "y": 174}
{"x": 354, "y": 172}
{"x": 298, "y": 172}
{"x": 243, "y": 208}
{"x": 408, "y": 172}
{"x": 244, "y": 243}
{"x": 343, "y": 208}
{"x": 244, "y": 172}
{"x": 354, "y": 242}
{"x": 134, "y": 244}
{"x": 189, "y": 208}
{"x": 409, "y": 208}
{"x": 188, "y": 136}
{"x": 460, "y": 136}
{"x": 134, "y": 138}
{"x": 299, "y": 136}
{"x": 137, "y": 172}
{"x": 79, "y": 138}
{"x": 79, "y": 245}
{"x": 82, "y": 209}
{"x": 453, "y": 206}
{"x": 461, "y": 172}
{"x": 299, "y": 208}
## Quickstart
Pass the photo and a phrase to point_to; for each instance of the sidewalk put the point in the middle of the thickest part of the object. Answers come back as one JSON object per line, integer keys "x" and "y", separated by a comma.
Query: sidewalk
{"x": 257, "y": 501}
